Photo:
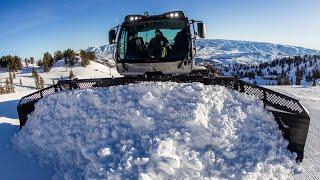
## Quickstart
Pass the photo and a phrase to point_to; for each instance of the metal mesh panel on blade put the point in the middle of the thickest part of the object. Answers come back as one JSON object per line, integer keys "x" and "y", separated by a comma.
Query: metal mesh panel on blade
{"x": 284, "y": 102}
{"x": 223, "y": 82}
{"x": 84, "y": 85}
{"x": 49, "y": 91}
{"x": 30, "y": 98}
{"x": 268, "y": 96}
{"x": 254, "y": 91}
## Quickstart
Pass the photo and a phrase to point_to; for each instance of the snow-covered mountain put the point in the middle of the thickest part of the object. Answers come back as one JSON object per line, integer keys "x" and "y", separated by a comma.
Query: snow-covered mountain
{"x": 104, "y": 54}
{"x": 105, "y": 49}
{"x": 226, "y": 51}
{"x": 246, "y": 52}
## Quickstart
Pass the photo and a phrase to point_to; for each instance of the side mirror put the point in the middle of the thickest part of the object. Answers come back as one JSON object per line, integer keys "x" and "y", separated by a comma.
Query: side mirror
{"x": 201, "y": 30}
{"x": 112, "y": 36}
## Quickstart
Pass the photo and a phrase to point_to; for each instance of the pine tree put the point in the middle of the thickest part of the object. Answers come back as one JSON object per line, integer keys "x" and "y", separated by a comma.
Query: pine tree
{"x": 283, "y": 80}
{"x": 315, "y": 76}
{"x": 37, "y": 79}
{"x": 86, "y": 57}
{"x": 37, "y": 82}
{"x": 58, "y": 55}
{"x": 9, "y": 87}
{"x": 12, "y": 63}
{"x": 71, "y": 75}
{"x": 26, "y": 61}
{"x": 32, "y": 60}
{"x": 71, "y": 61}
{"x": 46, "y": 66}
{"x": 34, "y": 72}
{"x": 298, "y": 77}
{"x": 91, "y": 56}
{"x": 17, "y": 63}
{"x": 41, "y": 82}
{"x": 83, "y": 58}
{"x": 14, "y": 75}
{"x": 308, "y": 77}
{"x": 251, "y": 75}
{"x": 53, "y": 83}
{"x": 40, "y": 63}
{"x": 20, "y": 82}
{"x": 10, "y": 78}
{"x": 69, "y": 55}
{"x": 47, "y": 61}
{"x": 2, "y": 90}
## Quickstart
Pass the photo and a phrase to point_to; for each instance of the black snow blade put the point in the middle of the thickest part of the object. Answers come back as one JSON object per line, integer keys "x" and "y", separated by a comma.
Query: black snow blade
{"x": 292, "y": 118}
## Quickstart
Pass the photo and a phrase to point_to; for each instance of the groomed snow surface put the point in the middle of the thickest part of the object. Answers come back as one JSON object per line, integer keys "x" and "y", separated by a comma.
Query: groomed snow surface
{"x": 156, "y": 131}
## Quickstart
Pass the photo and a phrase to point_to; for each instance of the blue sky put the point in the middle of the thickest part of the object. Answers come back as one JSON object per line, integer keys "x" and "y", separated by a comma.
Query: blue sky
{"x": 32, "y": 27}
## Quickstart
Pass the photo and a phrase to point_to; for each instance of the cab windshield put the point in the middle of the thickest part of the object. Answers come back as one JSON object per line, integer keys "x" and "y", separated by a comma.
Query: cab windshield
{"x": 158, "y": 40}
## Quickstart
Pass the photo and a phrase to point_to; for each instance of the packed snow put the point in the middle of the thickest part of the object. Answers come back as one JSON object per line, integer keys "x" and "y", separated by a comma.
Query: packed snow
{"x": 310, "y": 97}
{"x": 156, "y": 131}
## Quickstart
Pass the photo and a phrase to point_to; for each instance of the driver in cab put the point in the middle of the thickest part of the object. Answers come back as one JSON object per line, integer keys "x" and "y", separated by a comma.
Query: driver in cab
{"x": 159, "y": 45}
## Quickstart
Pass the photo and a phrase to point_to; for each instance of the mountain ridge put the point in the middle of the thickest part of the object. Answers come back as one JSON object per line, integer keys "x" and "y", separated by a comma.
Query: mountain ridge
{"x": 234, "y": 51}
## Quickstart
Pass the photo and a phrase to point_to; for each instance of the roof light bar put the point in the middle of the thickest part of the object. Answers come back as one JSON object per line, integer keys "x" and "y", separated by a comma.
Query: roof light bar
{"x": 132, "y": 18}
{"x": 175, "y": 14}
{"x": 169, "y": 15}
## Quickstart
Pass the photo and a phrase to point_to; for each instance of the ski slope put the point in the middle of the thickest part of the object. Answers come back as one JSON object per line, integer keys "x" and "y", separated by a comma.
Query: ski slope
{"x": 59, "y": 71}
{"x": 310, "y": 98}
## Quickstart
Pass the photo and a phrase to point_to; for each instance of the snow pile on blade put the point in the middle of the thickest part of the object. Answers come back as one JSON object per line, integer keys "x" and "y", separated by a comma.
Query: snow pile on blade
{"x": 154, "y": 131}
